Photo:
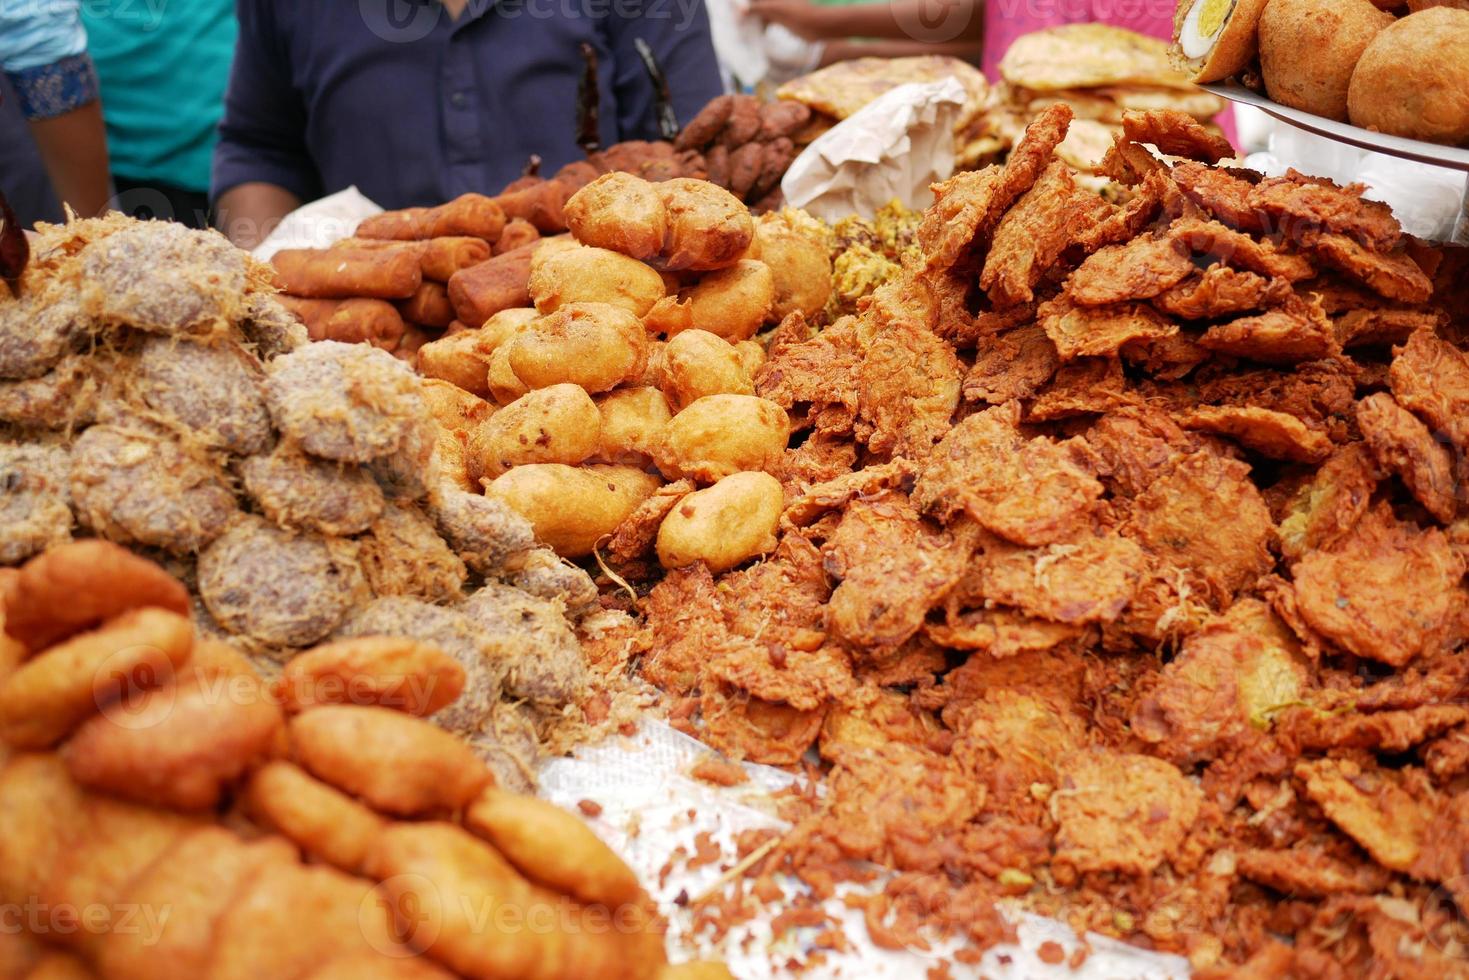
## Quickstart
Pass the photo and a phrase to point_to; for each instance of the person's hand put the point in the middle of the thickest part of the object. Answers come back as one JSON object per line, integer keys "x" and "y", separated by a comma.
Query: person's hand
{"x": 801, "y": 17}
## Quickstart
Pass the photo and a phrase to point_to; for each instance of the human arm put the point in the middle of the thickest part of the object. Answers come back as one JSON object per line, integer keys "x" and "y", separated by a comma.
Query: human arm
{"x": 262, "y": 168}
{"x": 928, "y": 21}
{"x": 43, "y": 51}
{"x": 682, "y": 45}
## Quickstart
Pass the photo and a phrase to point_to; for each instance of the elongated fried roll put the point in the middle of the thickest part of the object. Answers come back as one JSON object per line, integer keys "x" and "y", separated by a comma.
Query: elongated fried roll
{"x": 342, "y": 273}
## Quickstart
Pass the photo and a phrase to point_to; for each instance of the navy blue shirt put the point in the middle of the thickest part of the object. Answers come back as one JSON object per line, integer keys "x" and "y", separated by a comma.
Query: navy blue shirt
{"x": 415, "y": 108}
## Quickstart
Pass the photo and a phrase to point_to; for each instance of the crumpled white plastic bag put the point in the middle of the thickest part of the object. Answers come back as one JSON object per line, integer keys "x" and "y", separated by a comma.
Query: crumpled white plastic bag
{"x": 893, "y": 147}
{"x": 318, "y": 224}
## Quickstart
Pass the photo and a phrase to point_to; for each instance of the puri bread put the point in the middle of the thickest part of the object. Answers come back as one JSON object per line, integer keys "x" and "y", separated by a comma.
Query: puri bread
{"x": 1230, "y": 46}
{"x": 1413, "y": 79}
{"x": 1308, "y": 50}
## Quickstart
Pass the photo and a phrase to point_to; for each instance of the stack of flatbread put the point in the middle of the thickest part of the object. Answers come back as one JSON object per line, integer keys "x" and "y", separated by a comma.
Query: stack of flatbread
{"x": 838, "y": 91}
{"x": 1100, "y": 71}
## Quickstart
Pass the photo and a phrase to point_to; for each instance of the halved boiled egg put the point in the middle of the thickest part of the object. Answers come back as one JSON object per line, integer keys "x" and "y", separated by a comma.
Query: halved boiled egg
{"x": 1215, "y": 39}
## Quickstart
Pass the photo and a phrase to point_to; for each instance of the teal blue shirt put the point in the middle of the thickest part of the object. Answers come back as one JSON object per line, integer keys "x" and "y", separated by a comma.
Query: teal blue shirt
{"x": 163, "y": 67}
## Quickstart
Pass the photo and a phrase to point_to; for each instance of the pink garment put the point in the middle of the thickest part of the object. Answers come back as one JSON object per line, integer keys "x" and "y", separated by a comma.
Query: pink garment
{"x": 1006, "y": 20}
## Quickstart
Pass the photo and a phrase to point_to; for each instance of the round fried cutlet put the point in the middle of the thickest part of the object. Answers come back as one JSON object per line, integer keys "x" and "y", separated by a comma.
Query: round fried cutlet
{"x": 212, "y": 390}
{"x": 296, "y": 490}
{"x": 276, "y": 587}
{"x": 1413, "y": 79}
{"x": 1308, "y": 51}
{"x": 133, "y": 484}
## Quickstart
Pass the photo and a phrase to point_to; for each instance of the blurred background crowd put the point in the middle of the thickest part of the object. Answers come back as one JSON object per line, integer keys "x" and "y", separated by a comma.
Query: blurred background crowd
{"x": 202, "y": 110}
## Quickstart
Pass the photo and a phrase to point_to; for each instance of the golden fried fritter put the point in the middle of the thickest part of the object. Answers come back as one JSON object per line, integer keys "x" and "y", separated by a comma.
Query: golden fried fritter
{"x": 1100, "y": 331}
{"x": 1403, "y": 445}
{"x": 1277, "y": 435}
{"x": 1141, "y": 269}
{"x": 1032, "y": 492}
{"x": 346, "y": 402}
{"x": 160, "y": 277}
{"x": 1350, "y": 592}
{"x": 1122, "y": 812}
{"x": 1011, "y": 365}
{"x": 298, "y": 491}
{"x": 213, "y": 392}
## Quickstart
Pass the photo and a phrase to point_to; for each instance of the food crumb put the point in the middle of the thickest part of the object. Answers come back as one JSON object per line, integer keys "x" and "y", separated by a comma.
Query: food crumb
{"x": 589, "y": 808}
{"x": 705, "y": 850}
{"x": 1051, "y": 953}
{"x": 718, "y": 772}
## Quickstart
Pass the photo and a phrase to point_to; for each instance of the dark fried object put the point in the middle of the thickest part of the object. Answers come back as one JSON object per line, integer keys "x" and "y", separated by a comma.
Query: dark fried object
{"x": 1175, "y": 134}
{"x": 1404, "y": 445}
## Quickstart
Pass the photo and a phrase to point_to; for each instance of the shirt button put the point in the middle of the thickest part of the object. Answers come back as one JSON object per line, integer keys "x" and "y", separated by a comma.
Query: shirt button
{"x": 459, "y": 100}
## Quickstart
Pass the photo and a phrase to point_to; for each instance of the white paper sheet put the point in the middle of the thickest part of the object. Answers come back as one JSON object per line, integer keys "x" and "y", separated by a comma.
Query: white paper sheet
{"x": 893, "y": 147}
{"x": 318, "y": 224}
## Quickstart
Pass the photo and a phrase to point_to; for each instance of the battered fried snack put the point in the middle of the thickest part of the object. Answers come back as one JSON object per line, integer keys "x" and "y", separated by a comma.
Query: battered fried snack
{"x": 325, "y": 823}
{"x": 351, "y": 321}
{"x": 1403, "y": 445}
{"x": 733, "y": 302}
{"x": 1388, "y": 79}
{"x": 572, "y": 508}
{"x": 176, "y": 747}
{"x": 531, "y": 642}
{"x": 723, "y": 526}
{"x": 708, "y": 227}
{"x": 719, "y": 435}
{"x": 1307, "y": 54}
{"x": 35, "y": 336}
{"x": 472, "y": 215}
{"x": 566, "y": 276}
{"x": 517, "y": 234}
{"x": 1175, "y": 134}
{"x": 52, "y": 693}
{"x": 621, "y": 212}
{"x": 80, "y": 585}
{"x": 633, "y": 421}
{"x": 697, "y": 363}
{"x": 399, "y": 764}
{"x": 521, "y": 827}
{"x": 388, "y": 672}
{"x": 592, "y": 345}
{"x": 559, "y": 424}
{"x": 340, "y": 273}
{"x": 462, "y": 359}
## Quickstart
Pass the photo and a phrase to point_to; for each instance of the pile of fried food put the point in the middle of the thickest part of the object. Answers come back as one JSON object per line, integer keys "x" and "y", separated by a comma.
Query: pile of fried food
{"x": 156, "y": 395}
{"x": 1100, "y": 71}
{"x": 1399, "y": 67}
{"x": 599, "y": 413}
{"x": 167, "y": 812}
{"x": 1119, "y": 572}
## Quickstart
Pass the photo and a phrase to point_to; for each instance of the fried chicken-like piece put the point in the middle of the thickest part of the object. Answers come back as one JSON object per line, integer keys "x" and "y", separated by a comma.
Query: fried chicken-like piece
{"x": 634, "y": 537}
{"x": 1283, "y": 336}
{"x": 1224, "y": 686}
{"x": 1086, "y": 579}
{"x": 1220, "y": 193}
{"x": 744, "y": 727}
{"x": 1218, "y": 291}
{"x": 1086, "y": 386}
{"x": 1391, "y": 274}
{"x": 1383, "y": 327}
{"x": 1034, "y": 232}
{"x": 1015, "y": 738}
{"x": 1011, "y": 365}
{"x": 820, "y": 372}
{"x": 969, "y": 204}
{"x": 780, "y": 602}
{"x": 1327, "y": 505}
{"x": 1266, "y": 431}
{"x": 893, "y": 568}
{"x": 1206, "y": 516}
{"x": 1430, "y": 377}
{"x": 1143, "y": 268}
{"x": 908, "y": 380}
{"x": 1353, "y": 593}
{"x": 1100, "y": 331}
{"x": 1032, "y": 492}
{"x": 1138, "y": 445}
{"x": 1403, "y": 445}
{"x": 1128, "y": 221}
{"x": 1235, "y": 248}
{"x": 1176, "y": 134}
{"x": 684, "y": 618}
{"x": 1311, "y": 872}
{"x": 1300, "y": 205}
{"x": 1122, "y": 812}
{"x": 998, "y": 633}
{"x": 1371, "y": 806}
